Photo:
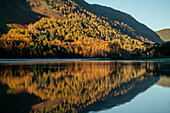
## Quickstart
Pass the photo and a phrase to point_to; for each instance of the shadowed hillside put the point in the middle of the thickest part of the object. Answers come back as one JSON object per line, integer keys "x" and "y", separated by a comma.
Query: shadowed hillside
{"x": 16, "y": 13}
{"x": 164, "y": 34}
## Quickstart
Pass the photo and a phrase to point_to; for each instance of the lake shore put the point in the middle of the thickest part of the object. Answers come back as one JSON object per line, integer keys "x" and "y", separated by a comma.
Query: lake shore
{"x": 3, "y": 61}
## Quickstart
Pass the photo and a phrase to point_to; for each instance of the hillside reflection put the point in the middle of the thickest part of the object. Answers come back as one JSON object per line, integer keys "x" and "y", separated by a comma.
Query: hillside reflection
{"x": 77, "y": 86}
{"x": 165, "y": 72}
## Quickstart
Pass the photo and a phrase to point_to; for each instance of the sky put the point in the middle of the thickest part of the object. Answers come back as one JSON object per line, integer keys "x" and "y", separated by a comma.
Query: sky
{"x": 153, "y": 13}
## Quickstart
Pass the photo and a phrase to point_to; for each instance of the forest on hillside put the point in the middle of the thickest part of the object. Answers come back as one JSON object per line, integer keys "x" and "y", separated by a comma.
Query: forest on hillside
{"x": 70, "y": 31}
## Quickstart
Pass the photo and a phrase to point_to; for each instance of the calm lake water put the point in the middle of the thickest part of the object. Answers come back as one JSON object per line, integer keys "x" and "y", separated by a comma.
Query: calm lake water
{"x": 85, "y": 86}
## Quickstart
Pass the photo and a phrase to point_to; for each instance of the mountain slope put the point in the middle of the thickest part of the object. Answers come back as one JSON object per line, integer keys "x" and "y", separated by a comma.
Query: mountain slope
{"x": 164, "y": 34}
{"x": 69, "y": 30}
{"x": 119, "y": 16}
{"x": 29, "y": 11}
{"x": 16, "y": 12}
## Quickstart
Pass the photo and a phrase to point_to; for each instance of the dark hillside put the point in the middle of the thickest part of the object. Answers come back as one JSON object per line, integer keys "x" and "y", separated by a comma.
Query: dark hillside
{"x": 16, "y": 13}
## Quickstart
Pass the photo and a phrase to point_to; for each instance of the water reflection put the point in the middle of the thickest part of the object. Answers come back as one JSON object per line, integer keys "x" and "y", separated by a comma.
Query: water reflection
{"x": 164, "y": 81}
{"x": 165, "y": 78}
{"x": 74, "y": 86}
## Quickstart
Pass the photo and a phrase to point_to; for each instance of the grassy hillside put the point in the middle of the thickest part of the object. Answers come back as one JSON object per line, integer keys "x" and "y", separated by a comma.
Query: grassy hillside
{"x": 164, "y": 34}
{"x": 68, "y": 30}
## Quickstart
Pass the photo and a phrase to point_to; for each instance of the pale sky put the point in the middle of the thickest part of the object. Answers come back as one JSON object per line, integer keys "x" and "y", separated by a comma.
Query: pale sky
{"x": 153, "y": 13}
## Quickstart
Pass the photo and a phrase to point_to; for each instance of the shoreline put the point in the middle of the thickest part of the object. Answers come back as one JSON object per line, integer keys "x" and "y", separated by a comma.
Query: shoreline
{"x": 8, "y": 61}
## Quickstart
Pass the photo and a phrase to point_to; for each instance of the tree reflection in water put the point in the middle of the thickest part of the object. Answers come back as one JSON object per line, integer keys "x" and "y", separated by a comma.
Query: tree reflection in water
{"x": 78, "y": 86}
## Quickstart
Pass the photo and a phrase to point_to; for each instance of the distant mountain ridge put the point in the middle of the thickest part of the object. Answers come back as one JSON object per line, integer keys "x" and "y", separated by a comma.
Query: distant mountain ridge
{"x": 164, "y": 34}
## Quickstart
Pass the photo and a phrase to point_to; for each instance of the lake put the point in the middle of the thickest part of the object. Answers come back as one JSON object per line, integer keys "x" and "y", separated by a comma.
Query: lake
{"x": 84, "y": 85}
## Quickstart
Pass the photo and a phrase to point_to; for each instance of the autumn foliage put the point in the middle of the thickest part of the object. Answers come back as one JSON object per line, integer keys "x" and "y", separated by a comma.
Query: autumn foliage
{"x": 75, "y": 32}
